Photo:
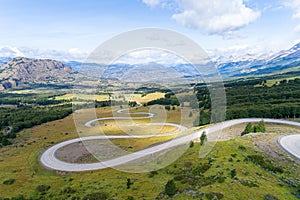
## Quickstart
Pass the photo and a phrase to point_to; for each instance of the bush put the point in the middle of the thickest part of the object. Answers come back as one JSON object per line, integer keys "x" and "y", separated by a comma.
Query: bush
{"x": 96, "y": 196}
{"x": 270, "y": 197}
{"x": 201, "y": 169}
{"x": 68, "y": 190}
{"x": 170, "y": 188}
{"x": 233, "y": 173}
{"x": 152, "y": 173}
{"x": 19, "y": 197}
{"x": 9, "y": 181}
{"x": 214, "y": 196}
{"x": 43, "y": 188}
{"x": 128, "y": 183}
{"x": 179, "y": 177}
{"x": 259, "y": 160}
{"x": 242, "y": 148}
{"x": 130, "y": 198}
{"x": 248, "y": 183}
{"x": 168, "y": 107}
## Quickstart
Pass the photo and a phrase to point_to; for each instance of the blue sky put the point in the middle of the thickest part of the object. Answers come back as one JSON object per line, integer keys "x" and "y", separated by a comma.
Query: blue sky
{"x": 70, "y": 25}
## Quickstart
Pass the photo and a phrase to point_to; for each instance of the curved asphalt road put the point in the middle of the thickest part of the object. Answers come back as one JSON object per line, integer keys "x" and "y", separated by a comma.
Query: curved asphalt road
{"x": 291, "y": 144}
{"x": 49, "y": 160}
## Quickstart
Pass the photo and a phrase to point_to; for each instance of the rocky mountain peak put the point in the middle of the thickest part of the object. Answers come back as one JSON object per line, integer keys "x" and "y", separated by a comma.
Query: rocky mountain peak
{"x": 22, "y": 71}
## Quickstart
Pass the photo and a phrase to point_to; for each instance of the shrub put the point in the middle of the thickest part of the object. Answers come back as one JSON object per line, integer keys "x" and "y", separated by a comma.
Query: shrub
{"x": 233, "y": 173}
{"x": 9, "y": 181}
{"x": 43, "y": 188}
{"x": 248, "y": 183}
{"x": 270, "y": 197}
{"x": 259, "y": 160}
{"x": 201, "y": 169}
{"x": 152, "y": 173}
{"x": 179, "y": 177}
{"x": 233, "y": 155}
{"x": 168, "y": 107}
{"x": 170, "y": 188}
{"x": 242, "y": 148}
{"x": 96, "y": 196}
{"x": 128, "y": 183}
{"x": 130, "y": 198}
{"x": 214, "y": 196}
{"x": 19, "y": 197}
{"x": 68, "y": 190}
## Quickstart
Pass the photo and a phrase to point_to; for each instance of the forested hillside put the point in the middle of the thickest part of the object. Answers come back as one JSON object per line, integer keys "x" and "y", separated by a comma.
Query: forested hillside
{"x": 256, "y": 99}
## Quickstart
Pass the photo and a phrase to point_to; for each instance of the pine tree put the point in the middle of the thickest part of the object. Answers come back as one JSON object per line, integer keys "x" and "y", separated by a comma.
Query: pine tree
{"x": 248, "y": 129}
{"x": 203, "y": 138}
{"x": 260, "y": 128}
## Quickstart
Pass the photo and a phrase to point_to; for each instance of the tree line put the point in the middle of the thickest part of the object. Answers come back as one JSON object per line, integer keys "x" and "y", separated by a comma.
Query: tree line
{"x": 15, "y": 120}
{"x": 254, "y": 99}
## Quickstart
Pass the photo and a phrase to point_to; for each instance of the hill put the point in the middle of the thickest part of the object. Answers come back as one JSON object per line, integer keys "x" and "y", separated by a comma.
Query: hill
{"x": 22, "y": 72}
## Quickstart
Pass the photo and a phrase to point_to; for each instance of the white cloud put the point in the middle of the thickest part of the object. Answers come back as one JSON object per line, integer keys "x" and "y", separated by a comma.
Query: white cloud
{"x": 150, "y": 56}
{"x": 69, "y": 55}
{"x": 295, "y": 5}
{"x": 215, "y": 16}
{"x": 212, "y": 16}
{"x": 152, "y": 3}
{"x": 6, "y": 51}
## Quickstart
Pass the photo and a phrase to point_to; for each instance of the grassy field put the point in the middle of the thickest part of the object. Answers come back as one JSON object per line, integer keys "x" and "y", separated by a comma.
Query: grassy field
{"x": 148, "y": 97}
{"x": 20, "y": 163}
{"x": 83, "y": 97}
{"x": 104, "y": 97}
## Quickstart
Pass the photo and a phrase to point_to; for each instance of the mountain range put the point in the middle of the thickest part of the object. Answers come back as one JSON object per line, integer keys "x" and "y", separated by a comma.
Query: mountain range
{"x": 20, "y": 71}
{"x": 280, "y": 62}
{"x": 283, "y": 61}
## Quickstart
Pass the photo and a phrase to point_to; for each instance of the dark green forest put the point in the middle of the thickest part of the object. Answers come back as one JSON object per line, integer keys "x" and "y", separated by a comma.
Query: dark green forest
{"x": 14, "y": 120}
{"x": 250, "y": 99}
{"x": 26, "y": 99}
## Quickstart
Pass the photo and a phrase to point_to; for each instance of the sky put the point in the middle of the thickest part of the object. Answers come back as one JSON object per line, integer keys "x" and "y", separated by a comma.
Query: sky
{"x": 71, "y": 28}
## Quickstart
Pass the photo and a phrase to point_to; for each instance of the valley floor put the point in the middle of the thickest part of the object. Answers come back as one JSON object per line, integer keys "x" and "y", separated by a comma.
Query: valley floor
{"x": 248, "y": 167}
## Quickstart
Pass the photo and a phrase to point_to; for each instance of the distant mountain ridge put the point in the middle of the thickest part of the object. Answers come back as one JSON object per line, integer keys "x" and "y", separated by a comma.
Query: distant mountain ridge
{"x": 283, "y": 61}
{"x": 19, "y": 72}
{"x": 22, "y": 72}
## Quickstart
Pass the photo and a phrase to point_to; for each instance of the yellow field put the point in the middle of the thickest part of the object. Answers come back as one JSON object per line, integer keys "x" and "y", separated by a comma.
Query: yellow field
{"x": 83, "y": 97}
{"x": 148, "y": 97}
{"x": 129, "y": 97}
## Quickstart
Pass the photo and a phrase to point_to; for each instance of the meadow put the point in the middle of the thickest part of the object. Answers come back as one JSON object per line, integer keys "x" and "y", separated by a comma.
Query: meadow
{"x": 20, "y": 163}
